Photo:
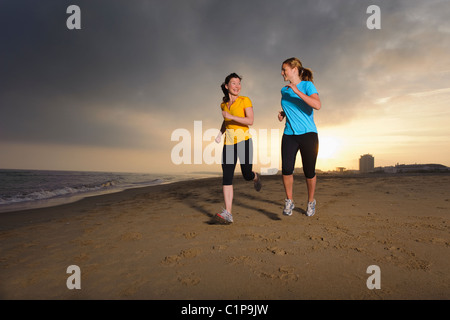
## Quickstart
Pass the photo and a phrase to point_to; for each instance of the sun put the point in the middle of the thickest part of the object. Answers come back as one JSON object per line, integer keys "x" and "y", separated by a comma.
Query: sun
{"x": 328, "y": 147}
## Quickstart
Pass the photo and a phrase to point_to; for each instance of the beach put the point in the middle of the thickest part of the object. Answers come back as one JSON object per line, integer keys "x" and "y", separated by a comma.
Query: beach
{"x": 162, "y": 242}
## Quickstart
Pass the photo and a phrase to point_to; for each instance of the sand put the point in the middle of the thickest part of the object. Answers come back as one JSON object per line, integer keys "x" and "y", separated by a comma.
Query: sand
{"x": 162, "y": 243}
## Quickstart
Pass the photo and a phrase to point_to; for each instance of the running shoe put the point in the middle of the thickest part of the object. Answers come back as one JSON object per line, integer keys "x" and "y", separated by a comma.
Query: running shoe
{"x": 224, "y": 217}
{"x": 311, "y": 210}
{"x": 288, "y": 207}
{"x": 258, "y": 184}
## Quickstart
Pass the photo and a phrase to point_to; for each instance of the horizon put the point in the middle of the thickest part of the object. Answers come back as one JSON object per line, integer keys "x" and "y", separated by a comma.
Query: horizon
{"x": 318, "y": 170}
{"x": 109, "y": 95}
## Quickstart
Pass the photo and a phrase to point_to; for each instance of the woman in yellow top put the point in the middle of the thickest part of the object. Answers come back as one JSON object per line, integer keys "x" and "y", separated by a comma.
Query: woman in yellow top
{"x": 237, "y": 112}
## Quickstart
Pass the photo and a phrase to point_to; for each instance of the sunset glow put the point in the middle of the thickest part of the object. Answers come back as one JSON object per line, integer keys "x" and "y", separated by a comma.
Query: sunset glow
{"x": 111, "y": 93}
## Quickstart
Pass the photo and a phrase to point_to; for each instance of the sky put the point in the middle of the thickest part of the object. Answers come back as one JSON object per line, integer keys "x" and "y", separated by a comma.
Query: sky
{"x": 115, "y": 94}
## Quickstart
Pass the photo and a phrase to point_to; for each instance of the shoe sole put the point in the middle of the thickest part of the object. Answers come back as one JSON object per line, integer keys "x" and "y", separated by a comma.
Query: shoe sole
{"x": 221, "y": 220}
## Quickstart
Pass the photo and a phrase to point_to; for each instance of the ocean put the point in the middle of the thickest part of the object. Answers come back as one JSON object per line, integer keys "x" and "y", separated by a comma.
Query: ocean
{"x": 27, "y": 189}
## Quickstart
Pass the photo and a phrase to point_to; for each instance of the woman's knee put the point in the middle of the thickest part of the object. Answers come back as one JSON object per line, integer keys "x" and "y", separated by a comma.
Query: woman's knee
{"x": 249, "y": 176}
{"x": 247, "y": 172}
{"x": 309, "y": 173}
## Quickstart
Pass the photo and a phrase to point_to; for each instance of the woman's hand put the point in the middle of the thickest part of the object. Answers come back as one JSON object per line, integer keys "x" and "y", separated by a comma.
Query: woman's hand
{"x": 281, "y": 115}
{"x": 291, "y": 85}
{"x": 246, "y": 121}
{"x": 313, "y": 100}
{"x": 226, "y": 115}
{"x": 219, "y": 137}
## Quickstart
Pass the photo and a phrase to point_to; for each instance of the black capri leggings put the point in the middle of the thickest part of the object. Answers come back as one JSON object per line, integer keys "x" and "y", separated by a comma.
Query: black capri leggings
{"x": 308, "y": 144}
{"x": 242, "y": 150}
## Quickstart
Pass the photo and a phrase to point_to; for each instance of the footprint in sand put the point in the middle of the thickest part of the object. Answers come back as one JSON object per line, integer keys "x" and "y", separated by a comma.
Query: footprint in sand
{"x": 189, "y": 279}
{"x": 219, "y": 247}
{"x": 285, "y": 273}
{"x": 184, "y": 254}
{"x": 190, "y": 253}
{"x": 131, "y": 236}
{"x": 277, "y": 251}
{"x": 171, "y": 259}
{"x": 190, "y": 235}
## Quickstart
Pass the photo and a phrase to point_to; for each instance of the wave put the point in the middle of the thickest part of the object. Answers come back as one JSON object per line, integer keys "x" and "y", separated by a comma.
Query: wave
{"x": 69, "y": 191}
{"x": 49, "y": 194}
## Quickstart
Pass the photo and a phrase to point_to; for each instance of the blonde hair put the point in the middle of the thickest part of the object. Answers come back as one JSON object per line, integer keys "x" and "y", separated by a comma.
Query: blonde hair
{"x": 304, "y": 73}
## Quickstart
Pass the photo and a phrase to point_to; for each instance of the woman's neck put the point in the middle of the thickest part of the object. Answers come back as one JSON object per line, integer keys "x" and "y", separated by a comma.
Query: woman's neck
{"x": 232, "y": 99}
{"x": 296, "y": 80}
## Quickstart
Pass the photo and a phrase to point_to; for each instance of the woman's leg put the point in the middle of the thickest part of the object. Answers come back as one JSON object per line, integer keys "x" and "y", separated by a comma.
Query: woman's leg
{"x": 288, "y": 182}
{"x": 289, "y": 149}
{"x": 229, "y": 160}
{"x": 311, "y": 185}
{"x": 228, "y": 197}
{"x": 245, "y": 154}
{"x": 309, "y": 149}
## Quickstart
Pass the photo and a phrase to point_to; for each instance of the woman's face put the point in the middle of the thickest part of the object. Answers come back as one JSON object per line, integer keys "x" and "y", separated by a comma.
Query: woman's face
{"x": 234, "y": 86}
{"x": 288, "y": 73}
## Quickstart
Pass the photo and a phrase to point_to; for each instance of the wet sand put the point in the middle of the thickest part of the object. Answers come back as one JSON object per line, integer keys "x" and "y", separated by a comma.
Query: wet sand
{"x": 162, "y": 242}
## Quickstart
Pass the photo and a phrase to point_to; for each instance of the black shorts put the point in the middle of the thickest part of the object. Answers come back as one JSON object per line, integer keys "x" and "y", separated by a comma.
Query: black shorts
{"x": 308, "y": 144}
{"x": 242, "y": 150}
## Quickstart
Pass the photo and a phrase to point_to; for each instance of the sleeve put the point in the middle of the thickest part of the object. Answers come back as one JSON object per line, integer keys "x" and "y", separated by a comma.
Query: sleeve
{"x": 311, "y": 89}
{"x": 247, "y": 103}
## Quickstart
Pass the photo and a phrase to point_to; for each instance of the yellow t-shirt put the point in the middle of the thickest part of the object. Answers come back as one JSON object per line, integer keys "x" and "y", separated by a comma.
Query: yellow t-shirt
{"x": 236, "y": 132}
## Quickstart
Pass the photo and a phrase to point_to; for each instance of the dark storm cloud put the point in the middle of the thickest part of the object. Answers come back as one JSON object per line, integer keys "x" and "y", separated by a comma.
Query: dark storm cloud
{"x": 168, "y": 58}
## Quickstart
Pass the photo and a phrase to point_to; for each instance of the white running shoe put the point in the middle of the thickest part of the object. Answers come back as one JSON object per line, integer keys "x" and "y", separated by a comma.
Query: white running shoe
{"x": 288, "y": 207}
{"x": 224, "y": 217}
{"x": 311, "y": 210}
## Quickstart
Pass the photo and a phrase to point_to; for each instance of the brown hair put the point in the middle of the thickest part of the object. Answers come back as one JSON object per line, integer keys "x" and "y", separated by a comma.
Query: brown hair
{"x": 304, "y": 73}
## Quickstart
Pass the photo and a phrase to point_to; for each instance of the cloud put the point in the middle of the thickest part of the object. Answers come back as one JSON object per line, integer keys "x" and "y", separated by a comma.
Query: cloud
{"x": 161, "y": 63}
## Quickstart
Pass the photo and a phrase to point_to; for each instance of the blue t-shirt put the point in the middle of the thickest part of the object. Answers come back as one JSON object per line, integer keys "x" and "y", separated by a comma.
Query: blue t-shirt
{"x": 299, "y": 115}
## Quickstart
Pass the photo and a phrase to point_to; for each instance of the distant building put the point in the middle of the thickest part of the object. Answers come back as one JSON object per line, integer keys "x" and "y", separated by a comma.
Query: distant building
{"x": 340, "y": 169}
{"x": 413, "y": 168}
{"x": 401, "y": 168}
{"x": 366, "y": 163}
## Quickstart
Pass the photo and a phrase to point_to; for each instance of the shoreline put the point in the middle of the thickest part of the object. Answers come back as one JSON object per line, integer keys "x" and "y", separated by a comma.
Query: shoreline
{"x": 65, "y": 200}
{"x": 71, "y": 198}
{"x": 161, "y": 242}
{"x": 11, "y": 219}
{"x": 74, "y": 186}
{"x": 20, "y": 217}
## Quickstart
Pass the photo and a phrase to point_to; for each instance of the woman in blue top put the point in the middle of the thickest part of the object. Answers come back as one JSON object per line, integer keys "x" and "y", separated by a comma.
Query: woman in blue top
{"x": 299, "y": 99}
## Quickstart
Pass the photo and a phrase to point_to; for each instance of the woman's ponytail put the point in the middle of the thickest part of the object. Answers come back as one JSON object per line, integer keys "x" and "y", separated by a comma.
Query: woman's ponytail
{"x": 306, "y": 75}
{"x": 226, "y": 97}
